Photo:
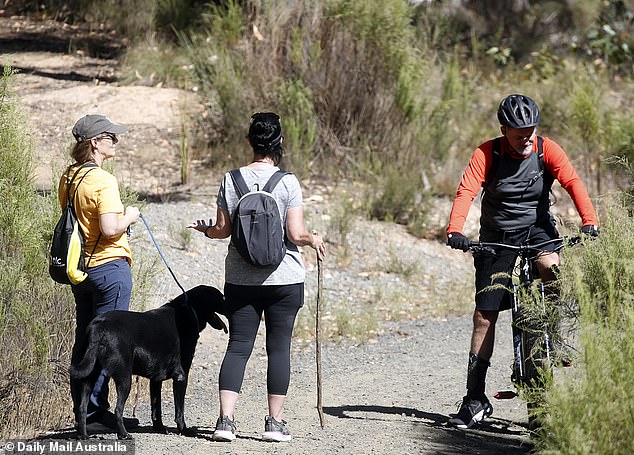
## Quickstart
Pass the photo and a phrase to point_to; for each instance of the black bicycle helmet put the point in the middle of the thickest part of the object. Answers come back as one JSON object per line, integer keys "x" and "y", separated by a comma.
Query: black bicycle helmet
{"x": 518, "y": 111}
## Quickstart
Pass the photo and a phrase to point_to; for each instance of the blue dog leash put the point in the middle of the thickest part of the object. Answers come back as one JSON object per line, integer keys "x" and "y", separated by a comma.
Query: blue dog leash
{"x": 195, "y": 316}
{"x": 161, "y": 253}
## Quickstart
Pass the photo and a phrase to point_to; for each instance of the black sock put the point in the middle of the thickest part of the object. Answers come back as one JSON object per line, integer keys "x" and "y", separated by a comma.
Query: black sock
{"x": 476, "y": 376}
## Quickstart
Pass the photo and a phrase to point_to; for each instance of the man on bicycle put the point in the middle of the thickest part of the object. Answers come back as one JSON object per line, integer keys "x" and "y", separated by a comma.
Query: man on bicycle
{"x": 516, "y": 172}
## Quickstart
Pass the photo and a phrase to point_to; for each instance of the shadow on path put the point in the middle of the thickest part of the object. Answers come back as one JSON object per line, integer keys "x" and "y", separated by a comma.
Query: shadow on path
{"x": 493, "y": 436}
{"x": 47, "y": 41}
{"x": 72, "y": 76}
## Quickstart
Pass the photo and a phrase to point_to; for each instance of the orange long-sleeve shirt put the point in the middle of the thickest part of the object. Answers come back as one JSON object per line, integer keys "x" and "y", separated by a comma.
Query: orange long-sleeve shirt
{"x": 555, "y": 162}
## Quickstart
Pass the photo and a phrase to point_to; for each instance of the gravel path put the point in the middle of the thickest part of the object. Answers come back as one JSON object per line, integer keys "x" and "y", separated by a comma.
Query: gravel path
{"x": 391, "y": 394}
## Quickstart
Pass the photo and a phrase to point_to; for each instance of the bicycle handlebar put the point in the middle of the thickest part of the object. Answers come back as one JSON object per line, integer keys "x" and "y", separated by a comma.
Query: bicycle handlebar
{"x": 492, "y": 247}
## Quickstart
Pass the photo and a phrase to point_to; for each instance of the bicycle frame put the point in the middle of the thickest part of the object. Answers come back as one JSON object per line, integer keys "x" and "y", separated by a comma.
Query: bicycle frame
{"x": 529, "y": 353}
{"x": 532, "y": 349}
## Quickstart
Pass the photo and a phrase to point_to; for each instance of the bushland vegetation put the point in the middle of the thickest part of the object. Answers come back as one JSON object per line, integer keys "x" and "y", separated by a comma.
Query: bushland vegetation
{"x": 36, "y": 317}
{"x": 591, "y": 411}
{"x": 394, "y": 96}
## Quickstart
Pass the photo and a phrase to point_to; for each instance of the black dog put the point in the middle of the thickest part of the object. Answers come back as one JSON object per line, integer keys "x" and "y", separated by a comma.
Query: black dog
{"x": 157, "y": 344}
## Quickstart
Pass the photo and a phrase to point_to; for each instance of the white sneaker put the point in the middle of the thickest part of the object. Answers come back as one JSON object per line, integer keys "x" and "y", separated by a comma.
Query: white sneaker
{"x": 275, "y": 431}
{"x": 225, "y": 430}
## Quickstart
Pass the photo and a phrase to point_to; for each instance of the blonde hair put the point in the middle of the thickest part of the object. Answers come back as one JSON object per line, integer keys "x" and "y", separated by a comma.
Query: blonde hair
{"x": 82, "y": 152}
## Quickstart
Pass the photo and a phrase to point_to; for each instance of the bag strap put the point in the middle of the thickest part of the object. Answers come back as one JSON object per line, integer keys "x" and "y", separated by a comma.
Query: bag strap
{"x": 495, "y": 159}
{"x": 93, "y": 249}
{"x": 238, "y": 183}
{"x": 241, "y": 186}
{"x": 270, "y": 186}
{"x": 540, "y": 152}
{"x": 274, "y": 180}
{"x": 69, "y": 183}
{"x": 540, "y": 162}
{"x": 71, "y": 201}
{"x": 548, "y": 178}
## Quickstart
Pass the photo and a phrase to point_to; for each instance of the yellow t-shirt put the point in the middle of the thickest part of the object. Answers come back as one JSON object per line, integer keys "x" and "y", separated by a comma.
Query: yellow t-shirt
{"x": 98, "y": 193}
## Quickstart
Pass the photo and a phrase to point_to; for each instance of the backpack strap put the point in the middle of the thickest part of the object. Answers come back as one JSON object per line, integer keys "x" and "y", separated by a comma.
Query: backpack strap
{"x": 70, "y": 201}
{"x": 238, "y": 182}
{"x": 93, "y": 249}
{"x": 274, "y": 180}
{"x": 241, "y": 186}
{"x": 548, "y": 178}
{"x": 540, "y": 152}
{"x": 269, "y": 187}
{"x": 495, "y": 159}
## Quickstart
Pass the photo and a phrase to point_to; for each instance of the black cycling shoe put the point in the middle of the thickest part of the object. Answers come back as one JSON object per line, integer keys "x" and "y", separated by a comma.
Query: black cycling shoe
{"x": 472, "y": 411}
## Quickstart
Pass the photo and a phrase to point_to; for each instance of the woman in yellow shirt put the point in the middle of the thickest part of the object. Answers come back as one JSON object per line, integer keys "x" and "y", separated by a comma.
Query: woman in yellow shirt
{"x": 103, "y": 221}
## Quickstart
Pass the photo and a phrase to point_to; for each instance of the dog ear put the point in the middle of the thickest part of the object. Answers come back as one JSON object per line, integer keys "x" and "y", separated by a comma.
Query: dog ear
{"x": 217, "y": 323}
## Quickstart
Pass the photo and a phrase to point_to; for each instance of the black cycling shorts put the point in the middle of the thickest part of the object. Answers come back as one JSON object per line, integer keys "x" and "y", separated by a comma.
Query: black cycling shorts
{"x": 500, "y": 266}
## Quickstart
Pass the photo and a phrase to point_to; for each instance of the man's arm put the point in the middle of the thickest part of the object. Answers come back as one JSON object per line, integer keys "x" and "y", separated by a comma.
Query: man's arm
{"x": 470, "y": 184}
{"x": 560, "y": 167}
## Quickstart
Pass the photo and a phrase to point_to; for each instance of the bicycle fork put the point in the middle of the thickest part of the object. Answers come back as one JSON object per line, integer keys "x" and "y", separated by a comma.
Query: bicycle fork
{"x": 531, "y": 340}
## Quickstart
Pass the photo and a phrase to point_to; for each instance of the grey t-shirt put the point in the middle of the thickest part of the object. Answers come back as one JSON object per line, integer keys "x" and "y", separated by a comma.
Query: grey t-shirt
{"x": 287, "y": 194}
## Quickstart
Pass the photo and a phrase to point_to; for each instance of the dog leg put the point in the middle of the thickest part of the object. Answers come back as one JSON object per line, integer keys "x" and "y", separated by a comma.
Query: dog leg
{"x": 124, "y": 384}
{"x": 155, "y": 403}
{"x": 180, "y": 387}
{"x": 84, "y": 389}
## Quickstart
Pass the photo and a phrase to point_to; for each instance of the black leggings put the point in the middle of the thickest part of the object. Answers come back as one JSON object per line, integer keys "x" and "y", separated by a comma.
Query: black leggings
{"x": 246, "y": 304}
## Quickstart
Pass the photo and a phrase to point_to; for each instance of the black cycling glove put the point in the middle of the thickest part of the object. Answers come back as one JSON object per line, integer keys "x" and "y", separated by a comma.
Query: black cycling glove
{"x": 590, "y": 229}
{"x": 457, "y": 241}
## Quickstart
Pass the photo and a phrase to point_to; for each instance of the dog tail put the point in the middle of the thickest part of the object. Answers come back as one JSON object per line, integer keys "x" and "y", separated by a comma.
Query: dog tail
{"x": 87, "y": 364}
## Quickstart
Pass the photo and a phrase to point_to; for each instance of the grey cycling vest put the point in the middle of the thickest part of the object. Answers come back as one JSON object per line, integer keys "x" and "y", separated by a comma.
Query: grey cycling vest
{"x": 516, "y": 194}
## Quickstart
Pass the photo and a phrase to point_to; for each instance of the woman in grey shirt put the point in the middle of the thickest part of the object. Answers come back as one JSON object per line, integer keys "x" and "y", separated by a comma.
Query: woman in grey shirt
{"x": 250, "y": 291}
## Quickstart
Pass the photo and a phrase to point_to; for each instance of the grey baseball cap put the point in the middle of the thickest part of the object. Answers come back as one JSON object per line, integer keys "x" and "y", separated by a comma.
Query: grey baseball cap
{"x": 93, "y": 125}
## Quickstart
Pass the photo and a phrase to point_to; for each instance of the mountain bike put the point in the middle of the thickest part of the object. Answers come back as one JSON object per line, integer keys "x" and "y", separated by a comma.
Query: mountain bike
{"x": 534, "y": 321}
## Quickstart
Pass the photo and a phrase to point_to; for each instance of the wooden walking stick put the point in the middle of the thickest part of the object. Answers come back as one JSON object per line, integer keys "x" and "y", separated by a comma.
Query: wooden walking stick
{"x": 320, "y": 409}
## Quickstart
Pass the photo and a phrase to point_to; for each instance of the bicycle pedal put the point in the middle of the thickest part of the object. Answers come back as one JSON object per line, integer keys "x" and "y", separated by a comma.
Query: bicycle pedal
{"x": 504, "y": 395}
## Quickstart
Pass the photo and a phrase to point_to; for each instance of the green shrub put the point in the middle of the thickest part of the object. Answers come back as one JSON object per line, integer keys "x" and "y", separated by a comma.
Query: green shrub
{"x": 300, "y": 125}
{"x": 590, "y": 411}
{"x": 398, "y": 196}
{"x": 609, "y": 37}
{"x": 152, "y": 61}
{"x": 221, "y": 74}
{"x": 36, "y": 320}
{"x": 383, "y": 110}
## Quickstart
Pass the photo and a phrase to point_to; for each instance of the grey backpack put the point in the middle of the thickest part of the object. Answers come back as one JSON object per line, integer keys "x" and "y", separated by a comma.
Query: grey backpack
{"x": 257, "y": 229}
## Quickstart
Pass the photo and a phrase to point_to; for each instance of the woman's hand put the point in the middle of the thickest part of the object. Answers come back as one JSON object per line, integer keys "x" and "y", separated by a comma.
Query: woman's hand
{"x": 319, "y": 246}
{"x": 220, "y": 230}
{"x": 201, "y": 225}
{"x": 133, "y": 214}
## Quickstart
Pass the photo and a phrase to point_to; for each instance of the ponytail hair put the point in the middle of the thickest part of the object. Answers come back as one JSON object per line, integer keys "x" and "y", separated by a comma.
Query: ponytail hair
{"x": 82, "y": 152}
